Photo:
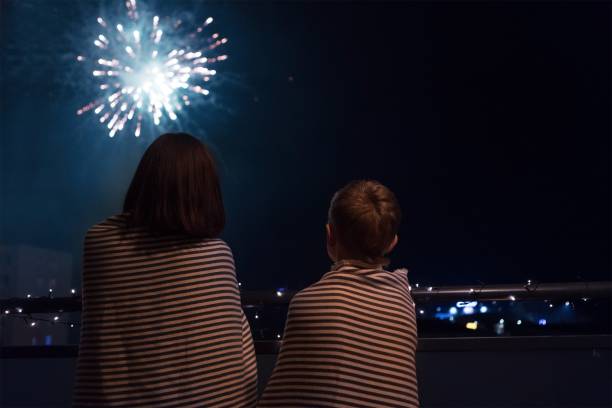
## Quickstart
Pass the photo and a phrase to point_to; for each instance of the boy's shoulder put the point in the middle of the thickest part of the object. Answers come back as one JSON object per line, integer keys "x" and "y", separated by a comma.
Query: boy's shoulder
{"x": 309, "y": 290}
{"x": 305, "y": 291}
{"x": 396, "y": 278}
{"x": 388, "y": 289}
{"x": 365, "y": 276}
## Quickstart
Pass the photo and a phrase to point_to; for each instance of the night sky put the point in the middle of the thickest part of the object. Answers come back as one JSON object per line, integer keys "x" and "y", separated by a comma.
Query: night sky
{"x": 490, "y": 121}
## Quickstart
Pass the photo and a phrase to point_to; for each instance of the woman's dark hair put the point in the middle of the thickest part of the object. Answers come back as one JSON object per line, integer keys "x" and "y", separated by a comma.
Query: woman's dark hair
{"x": 176, "y": 190}
{"x": 366, "y": 217}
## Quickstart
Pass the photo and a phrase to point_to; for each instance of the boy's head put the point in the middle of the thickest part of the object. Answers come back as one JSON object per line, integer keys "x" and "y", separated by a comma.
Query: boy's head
{"x": 364, "y": 217}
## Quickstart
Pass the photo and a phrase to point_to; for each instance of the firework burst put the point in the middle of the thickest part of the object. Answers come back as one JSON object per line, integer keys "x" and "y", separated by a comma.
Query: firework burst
{"x": 146, "y": 68}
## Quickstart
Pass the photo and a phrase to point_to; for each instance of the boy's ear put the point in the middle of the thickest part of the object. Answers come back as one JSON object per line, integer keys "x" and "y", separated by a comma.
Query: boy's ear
{"x": 392, "y": 244}
{"x": 331, "y": 239}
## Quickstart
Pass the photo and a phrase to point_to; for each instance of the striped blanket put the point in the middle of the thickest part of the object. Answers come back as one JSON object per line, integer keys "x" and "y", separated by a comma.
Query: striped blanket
{"x": 350, "y": 341}
{"x": 162, "y": 323}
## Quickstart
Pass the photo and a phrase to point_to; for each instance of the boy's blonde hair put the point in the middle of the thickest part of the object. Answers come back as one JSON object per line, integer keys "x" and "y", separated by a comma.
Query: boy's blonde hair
{"x": 366, "y": 217}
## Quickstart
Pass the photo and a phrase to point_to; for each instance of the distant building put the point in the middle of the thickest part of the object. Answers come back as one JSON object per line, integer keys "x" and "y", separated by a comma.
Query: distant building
{"x": 30, "y": 270}
{"x": 25, "y": 269}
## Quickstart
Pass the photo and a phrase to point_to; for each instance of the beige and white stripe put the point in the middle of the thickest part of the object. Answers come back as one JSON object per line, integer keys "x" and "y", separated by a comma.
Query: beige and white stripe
{"x": 350, "y": 341}
{"x": 162, "y": 323}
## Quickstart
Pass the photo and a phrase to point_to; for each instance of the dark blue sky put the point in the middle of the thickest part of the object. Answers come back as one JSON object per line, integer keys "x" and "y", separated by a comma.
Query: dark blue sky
{"x": 490, "y": 121}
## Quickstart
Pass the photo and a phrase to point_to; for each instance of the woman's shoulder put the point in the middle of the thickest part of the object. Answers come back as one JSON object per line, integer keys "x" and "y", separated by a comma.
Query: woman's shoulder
{"x": 213, "y": 244}
{"x": 119, "y": 225}
{"x": 207, "y": 247}
{"x": 113, "y": 223}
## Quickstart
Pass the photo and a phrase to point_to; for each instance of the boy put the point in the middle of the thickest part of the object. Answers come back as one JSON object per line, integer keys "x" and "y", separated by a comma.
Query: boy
{"x": 350, "y": 339}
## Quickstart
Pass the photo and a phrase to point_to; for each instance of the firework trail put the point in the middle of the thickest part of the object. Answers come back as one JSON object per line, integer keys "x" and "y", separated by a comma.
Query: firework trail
{"x": 148, "y": 68}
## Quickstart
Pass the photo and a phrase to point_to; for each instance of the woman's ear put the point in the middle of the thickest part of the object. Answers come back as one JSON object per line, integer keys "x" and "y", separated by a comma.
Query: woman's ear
{"x": 392, "y": 244}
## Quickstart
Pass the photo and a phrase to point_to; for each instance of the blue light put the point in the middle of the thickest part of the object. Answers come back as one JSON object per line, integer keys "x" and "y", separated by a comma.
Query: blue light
{"x": 483, "y": 309}
{"x": 453, "y": 310}
{"x": 467, "y": 304}
{"x": 468, "y": 310}
{"x": 542, "y": 322}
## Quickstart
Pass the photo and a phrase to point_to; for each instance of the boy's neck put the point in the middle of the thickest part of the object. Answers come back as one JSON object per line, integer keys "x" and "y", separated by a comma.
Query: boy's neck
{"x": 357, "y": 263}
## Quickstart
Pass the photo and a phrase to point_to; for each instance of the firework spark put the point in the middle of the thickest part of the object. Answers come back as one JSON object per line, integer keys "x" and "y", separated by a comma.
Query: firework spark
{"x": 148, "y": 68}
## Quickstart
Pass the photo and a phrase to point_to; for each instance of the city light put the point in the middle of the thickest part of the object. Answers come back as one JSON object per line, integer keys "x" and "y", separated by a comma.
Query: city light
{"x": 471, "y": 325}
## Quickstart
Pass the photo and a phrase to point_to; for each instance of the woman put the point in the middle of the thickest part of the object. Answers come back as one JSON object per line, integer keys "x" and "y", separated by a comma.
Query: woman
{"x": 162, "y": 324}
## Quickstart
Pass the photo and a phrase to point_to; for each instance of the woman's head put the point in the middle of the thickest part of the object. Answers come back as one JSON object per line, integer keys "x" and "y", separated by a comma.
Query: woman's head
{"x": 364, "y": 218}
{"x": 176, "y": 189}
